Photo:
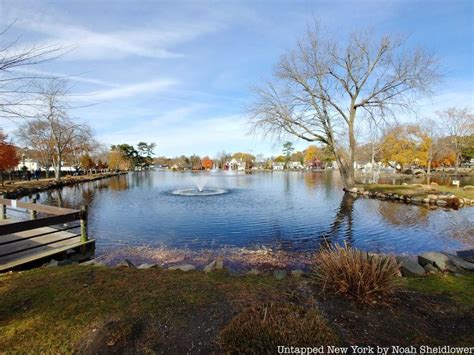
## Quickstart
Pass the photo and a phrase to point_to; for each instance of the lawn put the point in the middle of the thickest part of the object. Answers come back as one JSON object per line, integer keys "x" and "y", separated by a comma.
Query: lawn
{"x": 90, "y": 309}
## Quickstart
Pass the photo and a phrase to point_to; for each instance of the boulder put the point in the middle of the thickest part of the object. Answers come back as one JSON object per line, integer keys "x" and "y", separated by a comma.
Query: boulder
{"x": 92, "y": 262}
{"x": 432, "y": 197}
{"x": 185, "y": 267}
{"x": 426, "y": 200}
{"x": 439, "y": 260}
{"x": 279, "y": 274}
{"x": 460, "y": 263}
{"x": 441, "y": 202}
{"x": 409, "y": 266}
{"x": 53, "y": 263}
{"x": 254, "y": 272}
{"x": 147, "y": 266}
{"x": 430, "y": 269}
{"x": 125, "y": 263}
{"x": 210, "y": 267}
{"x": 467, "y": 255}
{"x": 220, "y": 263}
{"x": 297, "y": 273}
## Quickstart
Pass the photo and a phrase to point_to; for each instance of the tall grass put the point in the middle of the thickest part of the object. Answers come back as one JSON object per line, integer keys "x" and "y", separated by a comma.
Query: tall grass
{"x": 261, "y": 329}
{"x": 351, "y": 272}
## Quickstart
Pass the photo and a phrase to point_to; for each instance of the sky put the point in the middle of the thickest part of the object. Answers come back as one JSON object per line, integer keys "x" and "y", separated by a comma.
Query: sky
{"x": 180, "y": 73}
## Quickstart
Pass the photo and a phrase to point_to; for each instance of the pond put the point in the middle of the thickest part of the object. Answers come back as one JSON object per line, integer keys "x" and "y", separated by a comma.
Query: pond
{"x": 291, "y": 211}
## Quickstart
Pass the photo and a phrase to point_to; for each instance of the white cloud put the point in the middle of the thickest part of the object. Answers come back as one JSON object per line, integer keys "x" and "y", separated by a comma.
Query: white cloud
{"x": 125, "y": 91}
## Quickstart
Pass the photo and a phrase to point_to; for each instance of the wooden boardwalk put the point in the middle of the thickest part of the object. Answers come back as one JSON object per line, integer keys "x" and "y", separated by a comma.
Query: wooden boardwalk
{"x": 25, "y": 242}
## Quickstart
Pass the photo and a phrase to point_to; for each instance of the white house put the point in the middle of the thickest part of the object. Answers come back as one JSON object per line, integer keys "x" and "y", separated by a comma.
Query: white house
{"x": 295, "y": 165}
{"x": 235, "y": 164}
{"x": 278, "y": 166}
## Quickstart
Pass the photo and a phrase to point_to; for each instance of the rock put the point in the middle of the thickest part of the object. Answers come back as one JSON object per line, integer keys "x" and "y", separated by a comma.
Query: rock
{"x": 53, "y": 263}
{"x": 147, "y": 266}
{"x": 352, "y": 190}
{"x": 443, "y": 197}
{"x": 467, "y": 255}
{"x": 297, "y": 273}
{"x": 417, "y": 199}
{"x": 365, "y": 193}
{"x": 434, "y": 184}
{"x": 468, "y": 188}
{"x": 409, "y": 266}
{"x": 426, "y": 200}
{"x": 125, "y": 263}
{"x": 210, "y": 267}
{"x": 430, "y": 269}
{"x": 254, "y": 272}
{"x": 279, "y": 274}
{"x": 432, "y": 197}
{"x": 92, "y": 262}
{"x": 460, "y": 263}
{"x": 455, "y": 202}
{"x": 220, "y": 263}
{"x": 66, "y": 262}
{"x": 439, "y": 260}
{"x": 441, "y": 202}
{"x": 185, "y": 267}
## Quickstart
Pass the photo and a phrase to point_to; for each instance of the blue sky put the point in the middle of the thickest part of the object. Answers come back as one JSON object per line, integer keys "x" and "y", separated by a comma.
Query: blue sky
{"x": 179, "y": 73}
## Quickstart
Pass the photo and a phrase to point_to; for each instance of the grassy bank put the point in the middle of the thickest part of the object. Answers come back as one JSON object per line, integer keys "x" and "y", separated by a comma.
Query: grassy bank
{"x": 94, "y": 309}
{"x": 418, "y": 190}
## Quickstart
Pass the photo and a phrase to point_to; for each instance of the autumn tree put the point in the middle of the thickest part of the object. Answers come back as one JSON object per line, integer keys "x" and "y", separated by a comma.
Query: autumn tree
{"x": 405, "y": 145}
{"x": 207, "y": 163}
{"x": 118, "y": 160}
{"x": 87, "y": 163}
{"x": 8, "y": 155}
{"x": 459, "y": 126}
{"x": 323, "y": 89}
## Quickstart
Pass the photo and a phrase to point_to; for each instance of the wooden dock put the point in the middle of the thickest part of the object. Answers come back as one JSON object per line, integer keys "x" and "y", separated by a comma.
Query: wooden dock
{"x": 35, "y": 239}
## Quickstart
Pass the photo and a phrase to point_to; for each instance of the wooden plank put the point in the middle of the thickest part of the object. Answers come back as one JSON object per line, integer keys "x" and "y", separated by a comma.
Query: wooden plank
{"x": 32, "y": 233}
{"x": 28, "y": 256}
{"x": 25, "y": 244}
{"x": 20, "y": 226}
{"x": 37, "y": 207}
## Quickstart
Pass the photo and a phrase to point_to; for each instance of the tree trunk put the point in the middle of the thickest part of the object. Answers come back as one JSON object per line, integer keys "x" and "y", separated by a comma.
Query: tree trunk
{"x": 346, "y": 171}
{"x": 457, "y": 164}
{"x": 57, "y": 170}
{"x": 428, "y": 174}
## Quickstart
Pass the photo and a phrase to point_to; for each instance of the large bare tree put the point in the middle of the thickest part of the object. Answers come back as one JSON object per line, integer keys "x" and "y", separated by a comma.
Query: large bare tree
{"x": 459, "y": 126}
{"x": 17, "y": 96}
{"x": 52, "y": 130}
{"x": 323, "y": 88}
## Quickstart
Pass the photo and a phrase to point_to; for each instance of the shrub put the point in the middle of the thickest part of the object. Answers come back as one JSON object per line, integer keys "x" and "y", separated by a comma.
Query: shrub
{"x": 261, "y": 329}
{"x": 356, "y": 274}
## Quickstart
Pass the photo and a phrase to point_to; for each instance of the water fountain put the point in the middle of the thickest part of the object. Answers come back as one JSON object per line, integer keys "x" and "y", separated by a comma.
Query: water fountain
{"x": 201, "y": 190}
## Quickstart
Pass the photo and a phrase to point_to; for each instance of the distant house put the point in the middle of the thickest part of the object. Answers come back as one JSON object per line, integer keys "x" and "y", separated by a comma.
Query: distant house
{"x": 295, "y": 165}
{"x": 30, "y": 164}
{"x": 314, "y": 164}
{"x": 235, "y": 164}
{"x": 278, "y": 166}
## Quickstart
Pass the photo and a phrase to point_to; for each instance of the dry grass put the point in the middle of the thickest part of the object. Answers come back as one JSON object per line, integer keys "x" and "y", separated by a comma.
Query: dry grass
{"x": 261, "y": 329}
{"x": 356, "y": 274}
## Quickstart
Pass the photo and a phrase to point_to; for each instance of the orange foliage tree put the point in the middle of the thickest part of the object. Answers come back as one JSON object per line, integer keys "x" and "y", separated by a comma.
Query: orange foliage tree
{"x": 8, "y": 156}
{"x": 206, "y": 163}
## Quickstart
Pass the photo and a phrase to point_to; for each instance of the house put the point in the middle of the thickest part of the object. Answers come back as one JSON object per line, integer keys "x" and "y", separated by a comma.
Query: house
{"x": 295, "y": 165}
{"x": 30, "y": 164}
{"x": 235, "y": 164}
{"x": 278, "y": 166}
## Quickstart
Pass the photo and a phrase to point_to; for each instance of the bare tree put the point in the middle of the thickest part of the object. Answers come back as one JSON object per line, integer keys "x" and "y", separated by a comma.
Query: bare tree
{"x": 60, "y": 134}
{"x": 16, "y": 92}
{"x": 459, "y": 125}
{"x": 322, "y": 89}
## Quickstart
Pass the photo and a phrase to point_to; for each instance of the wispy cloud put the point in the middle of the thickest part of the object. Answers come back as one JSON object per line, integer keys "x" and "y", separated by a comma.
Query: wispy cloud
{"x": 125, "y": 91}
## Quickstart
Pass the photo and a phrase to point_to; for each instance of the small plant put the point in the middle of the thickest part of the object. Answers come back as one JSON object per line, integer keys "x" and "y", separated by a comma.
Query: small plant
{"x": 357, "y": 274}
{"x": 261, "y": 329}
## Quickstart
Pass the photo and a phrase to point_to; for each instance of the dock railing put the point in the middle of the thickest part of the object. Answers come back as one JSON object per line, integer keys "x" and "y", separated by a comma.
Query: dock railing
{"x": 47, "y": 232}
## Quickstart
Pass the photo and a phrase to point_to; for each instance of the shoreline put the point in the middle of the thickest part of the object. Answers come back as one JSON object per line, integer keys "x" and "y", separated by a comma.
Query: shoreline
{"x": 26, "y": 188}
{"x": 418, "y": 194}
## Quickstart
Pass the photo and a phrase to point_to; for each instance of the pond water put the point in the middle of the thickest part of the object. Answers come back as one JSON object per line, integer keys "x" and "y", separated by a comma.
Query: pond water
{"x": 292, "y": 211}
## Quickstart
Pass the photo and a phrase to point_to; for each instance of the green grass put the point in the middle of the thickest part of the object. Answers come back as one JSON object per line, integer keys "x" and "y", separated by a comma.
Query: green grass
{"x": 53, "y": 310}
{"x": 459, "y": 288}
{"x": 418, "y": 190}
